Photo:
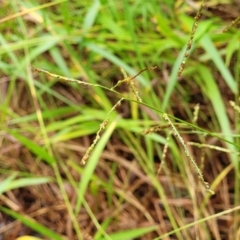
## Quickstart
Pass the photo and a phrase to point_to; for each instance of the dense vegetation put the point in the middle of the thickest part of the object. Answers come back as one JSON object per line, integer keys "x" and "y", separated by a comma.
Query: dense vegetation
{"x": 146, "y": 93}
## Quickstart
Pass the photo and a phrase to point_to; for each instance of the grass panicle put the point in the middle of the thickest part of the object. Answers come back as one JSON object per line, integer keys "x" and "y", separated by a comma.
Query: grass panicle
{"x": 64, "y": 78}
{"x": 232, "y": 24}
{"x": 217, "y": 148}
{"x": 164, "y": 154}
{"x": 235, "y": 106}
{"x": 164, "y": 126}
{"x": 103, "y": 125}
{"x": 195, "y": 113}
{"x": 190, "y": 41}
{"x": 199, "y": 173}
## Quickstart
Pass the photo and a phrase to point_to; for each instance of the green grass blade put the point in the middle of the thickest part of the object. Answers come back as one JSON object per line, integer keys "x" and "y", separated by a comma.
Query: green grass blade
{"x": 10, "y": 47}
{"x": 213, "y": 53}
{"x": 112, "y": 58}
{"x": 31, "y": 223}
{"x": 4, "y": 185}
{"x": 26, "y": 182}
{"x": 130, "y": 234}
{"x": 59, "y": 60}
{"x": 47, "y": 114}
{"x": 173, "y": 79}
{"x": 218, "y": 105}
{"x": 91, "y": 15}
{"x": 33, "y": 147}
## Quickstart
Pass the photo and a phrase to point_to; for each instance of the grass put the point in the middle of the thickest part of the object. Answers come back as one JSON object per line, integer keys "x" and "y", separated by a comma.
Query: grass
{"x": 95, "y": 97}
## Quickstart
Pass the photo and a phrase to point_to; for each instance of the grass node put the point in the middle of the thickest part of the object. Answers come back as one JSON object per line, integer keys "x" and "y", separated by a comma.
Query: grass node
{"x": 129, "y": 81}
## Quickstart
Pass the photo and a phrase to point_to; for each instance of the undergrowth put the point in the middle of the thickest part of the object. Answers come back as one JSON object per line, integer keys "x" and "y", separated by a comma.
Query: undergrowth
{"x": 93, "y": 157}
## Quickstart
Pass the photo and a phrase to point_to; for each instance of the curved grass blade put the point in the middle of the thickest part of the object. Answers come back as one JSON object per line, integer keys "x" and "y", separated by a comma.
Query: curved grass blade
{"x": 4, "y": 185}
{"x": 31, "y": 223}
{"x": 219, "y": 108}
{"x": 33, "y": 147}
{"x": 25, "y": 182}
{"x": 173, "y": 79}
{"x": 130, "y": 234}
{"x": 213, "y": 53}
